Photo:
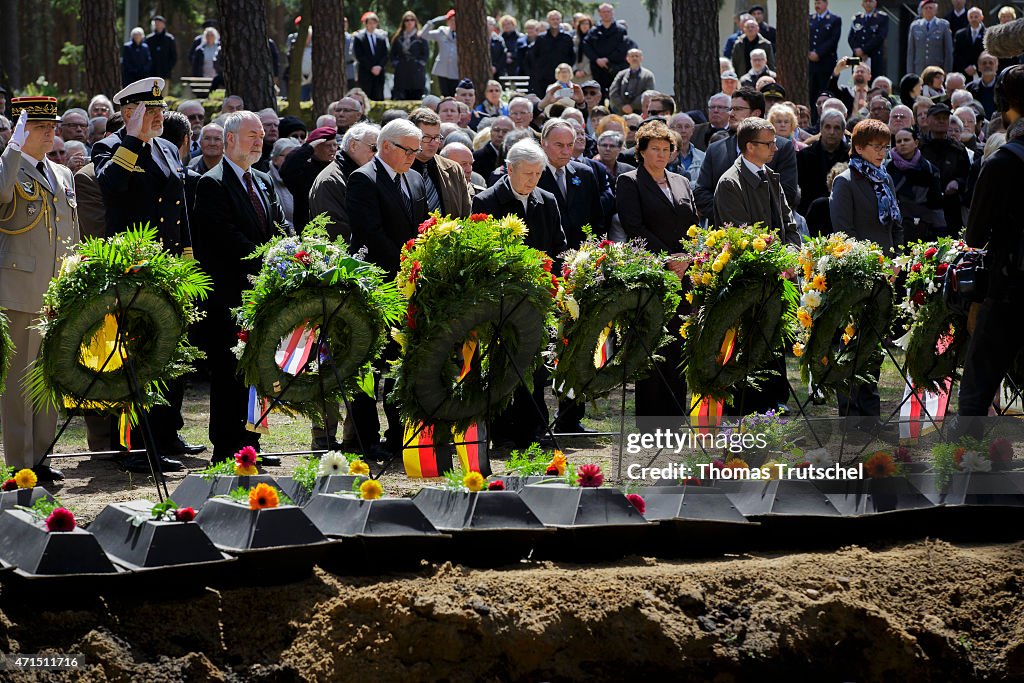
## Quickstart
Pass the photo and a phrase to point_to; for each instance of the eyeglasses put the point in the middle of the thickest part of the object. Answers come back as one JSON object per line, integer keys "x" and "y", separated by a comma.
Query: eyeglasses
{"x": 408, "y": 151}
{"x": 770, "y": 143}
{"x": 880, "y": 148}
{"x": 433, "y": 138}
{"x": 655, "y": 112}
{"x": 608, "y": 145}
{"x": 634, "y": 128}
{"x": 739, "y": 108}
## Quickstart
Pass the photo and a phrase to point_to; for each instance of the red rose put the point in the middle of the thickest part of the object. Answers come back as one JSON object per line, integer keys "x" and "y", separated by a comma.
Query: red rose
{"x": 918, "y": 297}
{"x": 246, "y": 457}
{"x": 638, "y": 502}
{"x": 553, "y": 287}
{"x": 410, "y": 245}
{"x": 1000, "y": 450}
{"x": 941, "y": 268}
{"x": 184, "y": 514}
{"x": 930, "y": 252}
{"x": 303, "y": 257}
{"x": 414, "y": 272}
{"x": 243, "y": 335}
{"x": 590, "y": 476}
{"x": 9, "y": 485}
{"x": 427, "y": 224}
{"x": 61, "y": 519}
{"x": 901, "y": 454}
{"x": 477, "y": 217}
{"x": 916, "y": 267}
{"x": 496, "y": 485}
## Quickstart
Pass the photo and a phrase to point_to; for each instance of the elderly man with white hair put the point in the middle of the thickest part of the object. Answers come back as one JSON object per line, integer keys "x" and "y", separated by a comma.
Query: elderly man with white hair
{"x": 900, "y": 117}
{"x": 463, "y": 156}
{"x": 517, "y": 194}
{"x": 690, "y": 158}
{"x": 758, "y": 68}
{"x": 814, "y": 161}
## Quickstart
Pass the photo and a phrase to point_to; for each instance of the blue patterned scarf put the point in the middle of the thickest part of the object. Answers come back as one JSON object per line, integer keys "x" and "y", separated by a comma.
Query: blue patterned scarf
{"x": 888, "y": 207}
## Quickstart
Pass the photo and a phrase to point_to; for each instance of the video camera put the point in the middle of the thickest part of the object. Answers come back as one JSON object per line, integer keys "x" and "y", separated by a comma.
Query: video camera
{"x": 965, "y": 282}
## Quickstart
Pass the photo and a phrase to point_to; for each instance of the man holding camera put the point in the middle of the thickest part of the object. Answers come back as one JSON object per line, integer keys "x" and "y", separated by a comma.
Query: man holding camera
{"x": 995, "y": 324}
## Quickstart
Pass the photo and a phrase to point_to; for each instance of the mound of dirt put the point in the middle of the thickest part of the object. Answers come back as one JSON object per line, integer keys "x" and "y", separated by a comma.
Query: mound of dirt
{"x": 927, "y": 611}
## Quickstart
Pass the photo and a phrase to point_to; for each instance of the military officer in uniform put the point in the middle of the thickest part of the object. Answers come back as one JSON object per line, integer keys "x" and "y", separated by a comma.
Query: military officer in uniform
{"x": 929, "y": 40}
{"x": 38, "y": 228}
{"x": 825, "y": 30}
{"x": 867, "y": 35}
{"x": 142, "y": 180}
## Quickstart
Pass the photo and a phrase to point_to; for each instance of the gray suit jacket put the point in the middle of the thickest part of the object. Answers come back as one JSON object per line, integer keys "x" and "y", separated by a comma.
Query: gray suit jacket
{"x": 741, "y": 197}
{"x": 720, "y": 157}
{"x": 38, "y": 228}
{"x": 853, "y": 207}
{"x": 929, "y": 46}
{"x": 623, "y": 91}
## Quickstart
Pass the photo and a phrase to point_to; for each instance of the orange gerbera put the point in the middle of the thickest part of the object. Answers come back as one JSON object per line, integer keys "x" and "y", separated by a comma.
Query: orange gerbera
{"x": 262, "y": 496}
{"x": 804, "y": 317}
{"x": 736, "y": 464}
{"x": 880, "y": 465}
{"x": 558, "y": 462}
{"x": 818, "y": 283}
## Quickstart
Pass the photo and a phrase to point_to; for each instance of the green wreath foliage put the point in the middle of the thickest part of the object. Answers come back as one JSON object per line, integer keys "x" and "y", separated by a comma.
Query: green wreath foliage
{"x": 153, "y": 296}
{"x": 465, "y": 279}
{"x": 738, "y": 284}
{"x": 604, "y": 283}
{"x": 846, "y": 310}
{"x": 931, "y": 324}
{"x": 312, "y": 280}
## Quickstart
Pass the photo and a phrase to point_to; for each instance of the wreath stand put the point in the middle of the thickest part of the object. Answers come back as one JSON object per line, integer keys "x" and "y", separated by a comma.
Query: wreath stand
{"x": 121, "y": 346}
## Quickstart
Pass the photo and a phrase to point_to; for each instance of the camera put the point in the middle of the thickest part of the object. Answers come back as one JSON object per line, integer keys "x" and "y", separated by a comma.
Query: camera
{"x": 965, "y": 282}
{"x": 852, "y": 61}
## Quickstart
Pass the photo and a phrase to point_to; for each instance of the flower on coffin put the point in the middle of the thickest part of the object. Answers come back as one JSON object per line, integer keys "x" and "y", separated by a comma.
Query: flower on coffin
{"x": 245, "y": 462}
{"x": 973, "y": 461}
{"x": 496, "y": 485}
{"x": 880, "y": 465}
{"x": 590, "y": 476}
{"x": 9, "y": 485}
{"x": 262, "y": 496}
{"x": 332, "y": 462}
{"x": 1000, "y": 450}
{"x": 638, "y": 502}
{"x": 184, "y": 514}
{"x": 474, "y": 481}
{"x": 371, "y": 490}
{"x": 557, "y": 463}
{"x": 359, "y": 468}
{"x": 25, "y": 478}
{"x": 61, "y": 519}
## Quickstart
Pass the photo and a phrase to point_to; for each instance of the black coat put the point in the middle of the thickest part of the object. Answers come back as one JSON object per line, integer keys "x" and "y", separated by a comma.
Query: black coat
{"x": 965, "y": 50}
{"x": 299, "y": 172}
{"x": 164, "y": 53}
{"x": 583, "y": 204}
{"x": 133, "y": 197}
{"x": 137, "y": 62}
{"x": 646, "y": 212}
{"x": 610, "y": 42}
{"x": 812, "y": 166}
{"x": 541, "y": 216}
{"x": 996, "y": 197}
{"x": 514, "y": 43}
{"x": 410, "y": 63}
{"x": 373, "y": 85}
{"x": 546, "y": 53}
{"x": 379, "y": 219}
{"x": 485, "y": 160}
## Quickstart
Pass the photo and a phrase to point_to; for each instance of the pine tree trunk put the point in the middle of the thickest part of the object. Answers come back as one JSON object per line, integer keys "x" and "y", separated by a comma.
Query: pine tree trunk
{"x": 101, "y": 57}
{"x": 695, "y": 46}
{"x": 328, "y": 70}
{"x": 474, "y": 43}
{"x": 10, "y": 59}
{"x": 793, "y": 40}
{"x": 247, "y": 64}
{"x": 295, "y": 61}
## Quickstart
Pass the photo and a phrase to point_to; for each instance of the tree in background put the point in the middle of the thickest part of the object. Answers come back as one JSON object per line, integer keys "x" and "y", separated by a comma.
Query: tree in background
{"x": 328, "y": 60}
{"x": 247, "y": 64}
{"x": 474, "y": 43}
{"x": 696, "y": 48}
{"x": 295, "y": 59}
{"x": 101, "y": 58}
{"x": 793, "y": 31}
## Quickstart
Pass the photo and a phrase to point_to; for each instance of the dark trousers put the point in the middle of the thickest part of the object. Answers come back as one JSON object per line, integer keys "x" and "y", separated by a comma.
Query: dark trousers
{"x": 229, "y": 397}
{"x": 407, "y": 94}
{"x": 772, "y": 392}
{"x": 364, "y": 409}
{"x": 526, "y": 418}
{"x": 372, "y": 85}
{"x": 993, "y": 347}
{"x": 663, "y": 392}
{"x": 447, "y": 86}
{"x": 165, "y": 421}
{"x": 604, "y": 77}
{"x": 860, "y": 405}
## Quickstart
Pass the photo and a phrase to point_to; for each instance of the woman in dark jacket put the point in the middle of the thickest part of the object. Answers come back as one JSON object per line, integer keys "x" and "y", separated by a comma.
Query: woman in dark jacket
{"x": 863, "y": 204}
{"x": 916, "y": 182}
{"x": 409, "y": 58}
{"x": 657, "y": 206}
{"x": 910, "y": 89}
{"x": 136, "y": 61}
{"x": 512, "y": 39}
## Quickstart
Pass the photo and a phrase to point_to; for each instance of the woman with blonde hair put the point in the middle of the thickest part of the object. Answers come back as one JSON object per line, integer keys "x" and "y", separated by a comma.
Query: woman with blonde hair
{"x": 783, "y": 117}
{"x": 408, "y": 57}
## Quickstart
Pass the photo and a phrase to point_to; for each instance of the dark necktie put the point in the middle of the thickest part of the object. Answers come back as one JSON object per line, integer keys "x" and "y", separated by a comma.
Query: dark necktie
{"x": 257, "y": 205}
{"x": 42, "y": 171}
{"x": 776, "y": 215}
{"x": 406, "y": 200}
{"x": 433, "y": 200}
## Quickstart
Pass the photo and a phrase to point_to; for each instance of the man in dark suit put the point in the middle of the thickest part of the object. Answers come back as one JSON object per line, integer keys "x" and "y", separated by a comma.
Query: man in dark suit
{"x": 517, "y": 194}
{"x": 578, "y": 194}
{"x": 718, "y": 119}
{"x": 969, "y": 43}
{"x": 302, "y": 166}
{"x": 815, "y": 161}
{"x": 550, "y": 49}
{"x": 867, "y": 35}
{"x": 371, "y": 51}
{"x": 490, "y": 156}
{"x": 142, "y": 180}
{"x": 387, "y": 204}
{"x": 237, "y": 210}
{"x": 957, "y": 17}
{"x": 825, "y": 30}
{"x": 445, "y": 185}
{"x": 751, "y": 192}
{"x": 720, "y": 155}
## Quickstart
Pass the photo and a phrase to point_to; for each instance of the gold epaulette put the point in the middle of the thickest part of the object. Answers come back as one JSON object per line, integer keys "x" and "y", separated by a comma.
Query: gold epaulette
{"x": 125, "y": 158}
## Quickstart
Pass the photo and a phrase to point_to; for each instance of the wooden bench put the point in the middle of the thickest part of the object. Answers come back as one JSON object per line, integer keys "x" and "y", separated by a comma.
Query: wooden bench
{"x": 199, "y": 85}
{"x": 515, "y": 83}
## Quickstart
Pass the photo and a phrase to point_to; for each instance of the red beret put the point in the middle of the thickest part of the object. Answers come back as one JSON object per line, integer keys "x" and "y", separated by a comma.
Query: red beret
{"x": 322, "y": 133}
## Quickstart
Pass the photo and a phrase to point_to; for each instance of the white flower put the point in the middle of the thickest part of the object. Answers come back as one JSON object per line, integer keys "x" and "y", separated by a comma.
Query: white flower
{"x": 572, "y": 307}
{"x": 70, "y": 264}
{"x": 580, "y": 258}
{"x": 819, "y": 457}
{"x": 904, "y": 341}
{"x": 932, "y": 287}
{"x": 811, "y": 299}
{"x": 903, "y": 260}
{"x": 333, "y": 462}
{"x": 822, "y": 264}
{"x": 972, "y": 461}
{"x": 238, "y": 349}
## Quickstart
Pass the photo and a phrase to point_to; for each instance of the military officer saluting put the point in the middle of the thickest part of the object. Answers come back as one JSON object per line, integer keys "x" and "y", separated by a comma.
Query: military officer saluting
{"x": 867, "y": 35}
{"x": 38, "y": 228}
{"x": 142, "y": 180}
{"x": 825, "y": 31}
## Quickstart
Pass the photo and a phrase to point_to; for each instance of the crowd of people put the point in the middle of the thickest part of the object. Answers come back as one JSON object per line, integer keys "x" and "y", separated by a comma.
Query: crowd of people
{"x": 590, "y": 142}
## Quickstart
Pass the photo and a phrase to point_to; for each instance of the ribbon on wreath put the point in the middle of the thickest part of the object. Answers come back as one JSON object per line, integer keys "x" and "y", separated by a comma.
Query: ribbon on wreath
{"x": 920, "y": 405}
{"x": 124, "y": 430}
{"x": 293, "y": 352}
{"x": 256, "y": 410}
{"x": 469, "y": 348}
{"x": 707, "y": 412}
{"x": 605, "y": 347}
{"x": 420, "y": 457}
{"x": 471, "y": 447}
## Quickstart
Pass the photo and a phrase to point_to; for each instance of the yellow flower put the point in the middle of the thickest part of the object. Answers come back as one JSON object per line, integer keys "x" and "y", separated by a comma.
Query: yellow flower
{"x": 558, "y": 461}
{"x": 842, "y": 249}
{"x": 798, "y": 349}
{"x": 682, "y": 330}
{"x": 249, "y": 471}
{"x": 759, "y": 244}
{"x": 850, "y": 329}
{"x": 692, "y": 232}
{"x": 25, "y": 479}
{"x": 744, "y": 243}
{"x": 689, "y": 297}
{"x": 818, "y": 283}
{"x": 846, "y": 339}
{"x": 804, "y": 316}
{"x": 408, "y": 289}
{"x": 262, "y": 496}
{"x": 358, "y": 467}
{"x": 706, "y": 279}
{"x": 808, "y": 271}
{"x": 717, "y": 266}
{"x": 474, "y": 481}
{"x": 513, "y": 223}
{"x": 371, "y": 490}
{"x": 725, "y": 256}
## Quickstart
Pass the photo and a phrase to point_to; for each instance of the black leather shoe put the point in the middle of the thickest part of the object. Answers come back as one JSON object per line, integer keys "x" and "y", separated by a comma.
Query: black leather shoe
{"x": 270, "y": 460}
{"x": 47, "y": 473}
{"x": 139, "y": 463}
{"x": 332, "y": 445}
{"x": 181, "y": 447}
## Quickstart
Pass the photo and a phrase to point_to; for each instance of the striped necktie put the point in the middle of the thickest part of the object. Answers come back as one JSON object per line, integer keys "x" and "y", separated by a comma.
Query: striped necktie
{"x": 433, "y": 199}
